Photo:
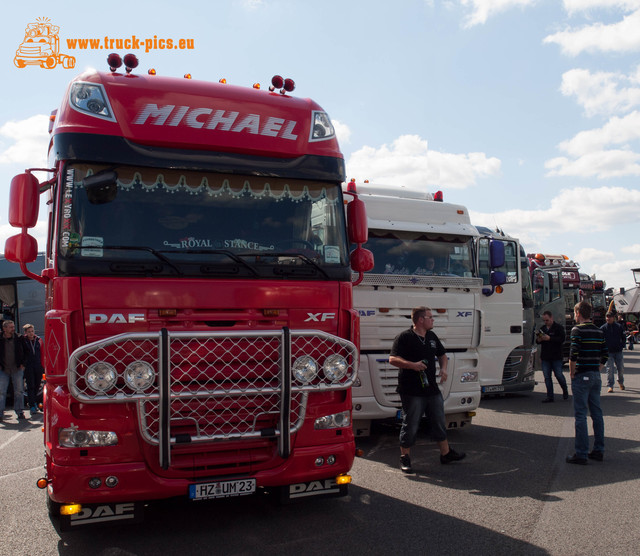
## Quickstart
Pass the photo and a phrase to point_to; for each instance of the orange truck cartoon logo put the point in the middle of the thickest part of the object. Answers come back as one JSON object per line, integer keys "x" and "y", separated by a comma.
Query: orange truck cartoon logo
{"x": 41, "y": 47}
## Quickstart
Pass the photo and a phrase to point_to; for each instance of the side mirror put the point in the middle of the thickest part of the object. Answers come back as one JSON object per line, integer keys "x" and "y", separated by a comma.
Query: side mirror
{"x": 498, "y": 278}
{"x": 21, "y": 248}
{"x": 361, "y": 260}
{"x": 24, "y": 201}
{"x": 357, "y": 225}
{"x": 496, "y": 254}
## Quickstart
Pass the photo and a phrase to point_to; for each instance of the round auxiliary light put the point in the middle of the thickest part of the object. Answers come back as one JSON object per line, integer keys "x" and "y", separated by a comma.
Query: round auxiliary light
{"x": 139, "y": 375}
{"x": 130, "y": 62}
{"x": 289, "y": 85}
{"x": 335, "y": 367}
{"x": 114, "y": 61}
{"x": 111, "y": 481}
{"x": 304, "y": 369}
{"x": 277, "y": 82}
{"x": 101, "y": 377}
{"x": 95, "y": 482}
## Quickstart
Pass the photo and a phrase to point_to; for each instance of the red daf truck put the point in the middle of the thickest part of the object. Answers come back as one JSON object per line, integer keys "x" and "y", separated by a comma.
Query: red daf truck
{"x": 201, "y": 340}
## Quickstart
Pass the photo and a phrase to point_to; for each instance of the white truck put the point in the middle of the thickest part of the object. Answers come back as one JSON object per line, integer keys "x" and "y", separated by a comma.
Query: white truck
{"x": 425, "y": 253}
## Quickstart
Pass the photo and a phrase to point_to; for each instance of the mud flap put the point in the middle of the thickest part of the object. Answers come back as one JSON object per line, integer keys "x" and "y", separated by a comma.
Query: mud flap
{"x": 324, "y": 488}
{"x": 96, "y": 514}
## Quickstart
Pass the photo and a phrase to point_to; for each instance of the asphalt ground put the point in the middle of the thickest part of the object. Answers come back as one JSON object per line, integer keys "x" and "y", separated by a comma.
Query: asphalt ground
{"x": 514, "y": 494}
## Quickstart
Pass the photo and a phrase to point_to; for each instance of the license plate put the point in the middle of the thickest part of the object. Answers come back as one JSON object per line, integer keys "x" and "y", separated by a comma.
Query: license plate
{"x": 498, "y": 388}
{"x": 222, "y": 489}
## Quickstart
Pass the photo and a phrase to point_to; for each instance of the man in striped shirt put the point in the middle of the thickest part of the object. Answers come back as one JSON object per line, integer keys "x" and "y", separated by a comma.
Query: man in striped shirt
{"x": 587, "y": 357}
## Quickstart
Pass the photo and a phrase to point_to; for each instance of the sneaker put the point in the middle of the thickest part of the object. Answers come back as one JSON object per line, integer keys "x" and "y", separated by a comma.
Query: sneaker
{"x": 610, "y": 389}
{"x": 565, "y": 394}
{"x": 405, "y": 464}
{"x": 621, "y": 385}
{"x": 547, "y": 400}
{"x": 577, "y": 460}
{"x": 452, "y": 455}
{"x": 20, "y": 416}
{"x": 597, "y": 455}
{"x": 33, "y": 409}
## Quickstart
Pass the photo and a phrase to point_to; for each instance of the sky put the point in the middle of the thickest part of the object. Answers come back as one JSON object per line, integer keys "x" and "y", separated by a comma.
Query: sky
{"x": 525, "y": 111}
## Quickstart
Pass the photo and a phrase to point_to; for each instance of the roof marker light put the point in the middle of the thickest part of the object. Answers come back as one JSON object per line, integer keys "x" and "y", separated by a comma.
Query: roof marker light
{"x": 351, "y": 188}
{"x": 256, "y": 85}
{"x": 187, "y": 76}
{"x": 114, "y": 61}
{"x": 222, "y": 80}
{"x": 151, "y": 71}
{"x": 438, "y": 196}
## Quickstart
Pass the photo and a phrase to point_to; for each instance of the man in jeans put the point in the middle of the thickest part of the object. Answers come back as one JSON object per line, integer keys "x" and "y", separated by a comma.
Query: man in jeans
{"x": 586, "y": 359}
{"x": 414, "y": 352}
{"x": 551, "y": 338}
{"x": 614, "y": 335}
{"x": 11, "y": 368}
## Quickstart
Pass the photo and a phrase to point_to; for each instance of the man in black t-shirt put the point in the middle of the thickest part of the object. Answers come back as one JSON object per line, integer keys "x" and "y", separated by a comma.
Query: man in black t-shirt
{"x": 414, "y": 352}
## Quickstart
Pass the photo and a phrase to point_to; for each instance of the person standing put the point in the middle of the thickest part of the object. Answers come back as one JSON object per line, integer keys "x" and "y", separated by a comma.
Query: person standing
{"x": 414, "y": 352}
{"x": 551, "y": 339}
{"x": 33, "y": 365}
{"x": 614, "y": 335}
{"x": 11, "y": 368}
{"x": 586, "y": 359}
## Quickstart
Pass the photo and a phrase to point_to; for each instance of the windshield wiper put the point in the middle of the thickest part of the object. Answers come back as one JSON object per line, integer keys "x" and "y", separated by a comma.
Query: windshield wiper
{"x": 229, "y": 254}
{"x": 290, "y": 270}
{"x": 157, "y": 254}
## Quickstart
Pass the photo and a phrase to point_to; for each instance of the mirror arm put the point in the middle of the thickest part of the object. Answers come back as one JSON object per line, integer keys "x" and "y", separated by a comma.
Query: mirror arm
{"x": 29, "y": 274}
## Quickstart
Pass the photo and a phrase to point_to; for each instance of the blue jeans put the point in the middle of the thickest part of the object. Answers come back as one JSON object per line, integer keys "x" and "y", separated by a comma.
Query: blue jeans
{"x": 615, "y": 357}
{"x": 17, "y": 378}
{"x": 556, "y": 367}
{"x": 586, "y": 396}
{"x": 413, "y": 408}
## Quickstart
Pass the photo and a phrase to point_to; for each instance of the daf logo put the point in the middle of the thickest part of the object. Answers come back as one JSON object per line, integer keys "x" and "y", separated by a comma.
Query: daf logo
{"x": 463, "y": 314}
{"x": 116, "y": 318}
{"x": 367, "y": 313}
{"x": 319, "y": 317}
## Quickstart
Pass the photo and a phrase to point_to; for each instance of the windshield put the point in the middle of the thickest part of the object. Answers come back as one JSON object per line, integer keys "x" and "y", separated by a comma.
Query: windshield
{"x": 188, "y": 222}
{"x": 418, "y": 253}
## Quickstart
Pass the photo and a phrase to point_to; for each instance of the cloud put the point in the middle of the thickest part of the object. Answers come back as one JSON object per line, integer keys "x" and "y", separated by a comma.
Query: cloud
{"x": 622, "y": 36}
{"x": 634, "y": 249}
{"x": 602, "y": 208}
{"x": 602, "y": 93}
{"x": 481, "y": 10}
{"x": 588, "y": 254}
{"x": 574, "y": 6}
{"x": 590, "y": 155}
{"x": 343, "y": 133}
{"x": 30, "y": 138}
{"x": 408, "y": 162}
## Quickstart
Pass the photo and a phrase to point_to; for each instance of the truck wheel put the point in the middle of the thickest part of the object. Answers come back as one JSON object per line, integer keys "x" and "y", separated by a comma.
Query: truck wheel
{"x": 49, "y": 63}
{"x": 53, "y": 507}
{"x": 19, "y": 62}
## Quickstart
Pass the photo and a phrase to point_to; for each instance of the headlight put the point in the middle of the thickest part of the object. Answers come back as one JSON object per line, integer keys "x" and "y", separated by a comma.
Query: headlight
{"x": 91, "y": 98}
{"x": 74, "y": 438}
{"x": 139, "y": 375}
{"x": 335, "y": 421}
{"x": 469, "y": 376}
{"x": 335, "y": 367}
{"x": 101, "y": 377}
{"x": 304, "y": 369}
{"x": 322, "y": 128}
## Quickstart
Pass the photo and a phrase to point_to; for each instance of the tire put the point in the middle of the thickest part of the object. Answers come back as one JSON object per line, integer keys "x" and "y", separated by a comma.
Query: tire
{"x": 49, "y": 63}
{"x": 53, "y": 507}
{"x": 19, "y": 62}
